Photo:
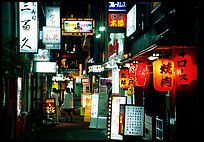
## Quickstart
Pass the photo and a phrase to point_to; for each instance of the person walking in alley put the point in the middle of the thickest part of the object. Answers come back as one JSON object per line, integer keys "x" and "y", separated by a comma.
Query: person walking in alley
{"x": 55, "y": 95}
{"x": 109, "y": 89}
{"x": 68, "y": 104}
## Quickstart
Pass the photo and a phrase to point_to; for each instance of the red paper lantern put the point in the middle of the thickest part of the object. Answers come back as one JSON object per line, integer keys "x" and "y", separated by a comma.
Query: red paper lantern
{"x": 163, "y": 74}
{"x": 124, "y": 78}
{"x": 132, "y": 74}
{"x": 140, "y": 74}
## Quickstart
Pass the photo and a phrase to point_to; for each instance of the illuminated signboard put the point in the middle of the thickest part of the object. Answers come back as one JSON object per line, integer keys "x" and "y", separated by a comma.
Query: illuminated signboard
{"x": 78, "y": 26}
{"x": 51, "y": 35}
{"x": 28, "y": 27}
{"x": 50, "y": 105}
{"x": 116, "y": 20}
{"x": 43, "y": 55}
{"x": 94, "y": 68}
{"x": 68, "y": 61}
{"x": 131, "y": 21}
{"x": 45, "y": 67}
{"x": 115, "y": 114}
{"x": 116, "y": 6}
{"x": 52, "y": 16}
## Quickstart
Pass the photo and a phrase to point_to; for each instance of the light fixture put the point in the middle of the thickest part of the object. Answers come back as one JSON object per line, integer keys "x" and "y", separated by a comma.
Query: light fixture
{"x": 98, "y": 35}
{"x": 154, "y": 56}
{"x": 102, "y": 28}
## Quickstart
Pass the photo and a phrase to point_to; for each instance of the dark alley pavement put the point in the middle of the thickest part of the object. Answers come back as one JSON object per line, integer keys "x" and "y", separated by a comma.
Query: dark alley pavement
{"x": 76, "y": 130}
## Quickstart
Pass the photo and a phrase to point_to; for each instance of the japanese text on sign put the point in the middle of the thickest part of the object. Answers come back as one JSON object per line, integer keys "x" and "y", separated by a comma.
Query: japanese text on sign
{"x": 28, "y": 26}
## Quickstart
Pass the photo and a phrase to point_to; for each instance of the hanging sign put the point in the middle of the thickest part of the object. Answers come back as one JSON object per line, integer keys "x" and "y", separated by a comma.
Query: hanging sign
{"x": 163, "y": 74}
{"x": 28, "y": 27}
{"x": 124, "y": 79}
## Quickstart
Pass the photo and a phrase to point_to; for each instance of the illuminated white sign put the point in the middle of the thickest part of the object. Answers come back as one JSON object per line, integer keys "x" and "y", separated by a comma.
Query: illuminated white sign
{"x": 95, "y": 69}
{"x": 45, "y": 67}
{"x": 94, "y": 105}
{"x": 131, "y": 21}
{"x": 52, "y": 16}
{"x": 43, "y": 55}
{"x": 134, "y": 120}
{"x": 52, "y": 46}
{"x": 28, "y": 22}
{"x": 116, "y": 6}
{"x": 51, "y": 35}
{"x": 116, "y": 101}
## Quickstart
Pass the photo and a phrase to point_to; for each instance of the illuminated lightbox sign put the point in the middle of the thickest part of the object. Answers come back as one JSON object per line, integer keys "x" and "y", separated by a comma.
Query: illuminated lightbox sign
{"x": 28, "y": 27}
{"x": 52, "y": 46}
{"x": 116, "y": 6}
{"x": 52, "y": 16}
{"x": 51, "y": 35}
{"x": 94, "y": 69}
{"x": 131, "y": 21}
{"x": 45, "y": 67}
{"x": 77, "y": 27}
{"x": 43, "y": 55}
{"x": 115, "y": 111}
{"x": 116, "y": 20}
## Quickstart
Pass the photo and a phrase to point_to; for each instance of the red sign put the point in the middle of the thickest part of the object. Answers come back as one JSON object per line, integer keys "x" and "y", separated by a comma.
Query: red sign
{"x": 116, "y": 20}
{"x": 163, "y": 74}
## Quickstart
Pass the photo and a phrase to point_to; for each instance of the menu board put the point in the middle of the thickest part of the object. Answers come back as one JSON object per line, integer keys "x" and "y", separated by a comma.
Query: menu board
{"x": 134, "y": 120}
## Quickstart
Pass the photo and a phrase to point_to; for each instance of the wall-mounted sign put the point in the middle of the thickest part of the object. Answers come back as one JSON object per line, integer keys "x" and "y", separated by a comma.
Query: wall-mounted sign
{"x": 131, "y": 21}
{"x": 116, "y": 6}
{"x": 45, "y": 67}
{"x": 52, "y": 46}
{"x": 28, "y": 22}
{"x": 78, "y": 26}
{"x": 51, "y": 35}
{"x": 116, "y": 20}
{"x": 85, "y": 80}
{"x": 52, "y": 16}
{"x": 43, "y": 55}
{"x": 94, "y": 68}
{"x": 134, "y": 120}
{"x": 68, "y": 61}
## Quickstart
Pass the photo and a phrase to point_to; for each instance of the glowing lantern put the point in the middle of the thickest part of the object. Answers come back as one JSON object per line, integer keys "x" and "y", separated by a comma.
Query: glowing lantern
{"x": 124, "y": 78}
{"x": 184, "y": 69}
{"x": 132, "y": 74}
{"x": 140, "y": 74}
{"x": 163, "y": 74}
